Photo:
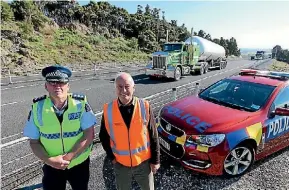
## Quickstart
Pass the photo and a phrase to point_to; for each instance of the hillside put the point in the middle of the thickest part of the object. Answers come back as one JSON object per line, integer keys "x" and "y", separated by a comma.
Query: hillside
{"x": 38, "y": 33}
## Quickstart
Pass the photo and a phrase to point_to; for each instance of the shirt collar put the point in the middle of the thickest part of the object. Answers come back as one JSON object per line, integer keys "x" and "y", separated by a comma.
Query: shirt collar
{"x": 61, "y": 109}
{"x": 132, "y": 102}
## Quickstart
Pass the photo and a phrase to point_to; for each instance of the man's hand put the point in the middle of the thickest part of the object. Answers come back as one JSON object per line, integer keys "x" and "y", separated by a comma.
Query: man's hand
{"x": 155, "y": 167}
{"x": 57, "y": 162}
{"x": 68, "y": 157}
{"x": 114, "y": 161}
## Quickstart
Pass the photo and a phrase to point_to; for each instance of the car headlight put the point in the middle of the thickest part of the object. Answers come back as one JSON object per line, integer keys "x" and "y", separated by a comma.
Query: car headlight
{"x": 206, "y": 140}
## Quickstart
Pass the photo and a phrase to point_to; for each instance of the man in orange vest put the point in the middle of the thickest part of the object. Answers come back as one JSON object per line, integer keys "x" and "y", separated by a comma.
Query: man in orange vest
{"x": 129, "y": 136}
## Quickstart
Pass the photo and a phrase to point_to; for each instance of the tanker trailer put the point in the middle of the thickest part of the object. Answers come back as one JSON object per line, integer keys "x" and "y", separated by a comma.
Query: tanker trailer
{"x": 195, "y": 55}
{"x": 211, "y": 55}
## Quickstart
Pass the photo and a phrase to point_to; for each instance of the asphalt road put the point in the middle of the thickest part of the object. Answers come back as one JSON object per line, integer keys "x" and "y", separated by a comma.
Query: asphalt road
{"x": 269, "y": 173}
{"x": 16, "y": 101}
{"x": 17, "y": 98}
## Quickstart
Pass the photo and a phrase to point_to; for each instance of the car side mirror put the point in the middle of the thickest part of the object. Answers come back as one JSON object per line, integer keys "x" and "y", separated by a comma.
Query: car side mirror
{"x": 281, "y": 111}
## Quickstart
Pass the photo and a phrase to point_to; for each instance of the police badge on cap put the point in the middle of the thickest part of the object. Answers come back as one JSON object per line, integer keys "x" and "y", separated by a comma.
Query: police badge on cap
{"x": 56, "y": 73}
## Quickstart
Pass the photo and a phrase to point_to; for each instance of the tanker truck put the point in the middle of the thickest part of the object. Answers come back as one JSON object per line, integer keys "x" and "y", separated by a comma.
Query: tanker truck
{"x": 194, "y": 55}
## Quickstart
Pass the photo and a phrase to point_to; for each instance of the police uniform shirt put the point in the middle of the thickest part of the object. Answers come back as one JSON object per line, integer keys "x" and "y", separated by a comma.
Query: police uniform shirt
{"x": 88, "y": 119}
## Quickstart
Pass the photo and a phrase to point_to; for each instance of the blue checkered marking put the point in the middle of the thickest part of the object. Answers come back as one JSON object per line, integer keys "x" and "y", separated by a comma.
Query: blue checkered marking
{"x": 57, "y": 135}
{"x": 50, "y": 136}
{"x": 72, "y": 134}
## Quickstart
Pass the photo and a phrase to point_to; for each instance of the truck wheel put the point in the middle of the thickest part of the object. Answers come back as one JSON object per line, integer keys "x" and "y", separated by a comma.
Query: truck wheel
{"x": 221, "y": 66}
{"x": 201, "y": 71}
{"x": 206, "y": 69}
{"x": 177, "y": 74}
{"x": 239, "y": 161}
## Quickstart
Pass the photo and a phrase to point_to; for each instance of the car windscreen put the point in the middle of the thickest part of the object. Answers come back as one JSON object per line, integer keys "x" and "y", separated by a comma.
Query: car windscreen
{"x": 172, "y": 47}
{"x": 238, "y": 94}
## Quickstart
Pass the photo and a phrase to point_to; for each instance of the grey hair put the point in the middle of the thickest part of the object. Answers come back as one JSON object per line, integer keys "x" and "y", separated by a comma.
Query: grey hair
{"x": 120, "y": 74}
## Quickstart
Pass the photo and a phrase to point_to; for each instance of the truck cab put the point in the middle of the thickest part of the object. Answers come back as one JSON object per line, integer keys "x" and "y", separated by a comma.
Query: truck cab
{"x": 195, "y": 55}
{"x": 173, "y": 61}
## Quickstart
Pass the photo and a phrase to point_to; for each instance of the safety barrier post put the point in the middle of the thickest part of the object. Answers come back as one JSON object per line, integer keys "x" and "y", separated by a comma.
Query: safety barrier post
{"x": 174, "y": 94}
{"x": 197, "y": 89}
{"x": 10, "y": 77}
{"x": 94, "y": 69}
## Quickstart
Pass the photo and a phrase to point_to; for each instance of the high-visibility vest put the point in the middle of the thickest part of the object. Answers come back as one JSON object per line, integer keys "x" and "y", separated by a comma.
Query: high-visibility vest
{"x": 130, "y": 146}
{"x": 59, "y": 139}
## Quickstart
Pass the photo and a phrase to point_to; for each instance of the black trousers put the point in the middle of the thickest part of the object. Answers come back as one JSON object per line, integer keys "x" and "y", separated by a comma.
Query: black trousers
{"x": 55, "y": 179}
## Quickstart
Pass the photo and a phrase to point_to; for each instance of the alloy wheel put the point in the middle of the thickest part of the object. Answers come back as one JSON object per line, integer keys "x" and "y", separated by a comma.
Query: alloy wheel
{"x": 238, "y": 161}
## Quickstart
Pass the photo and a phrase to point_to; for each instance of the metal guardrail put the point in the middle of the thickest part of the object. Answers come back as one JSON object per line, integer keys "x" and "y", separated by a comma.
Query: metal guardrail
{"x": 16, "y": 178}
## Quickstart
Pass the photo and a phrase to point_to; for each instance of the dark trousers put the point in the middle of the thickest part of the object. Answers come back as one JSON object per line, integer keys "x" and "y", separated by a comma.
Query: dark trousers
{"x": 55, "y": 179}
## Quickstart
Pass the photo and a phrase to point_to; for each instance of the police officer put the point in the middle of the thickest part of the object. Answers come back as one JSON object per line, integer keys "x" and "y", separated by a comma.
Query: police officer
{"x": 129, "y": 136}
{"x": 60, "y": 127}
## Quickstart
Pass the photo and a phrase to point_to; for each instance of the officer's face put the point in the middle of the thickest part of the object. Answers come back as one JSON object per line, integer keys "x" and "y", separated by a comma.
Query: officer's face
{"x": 124, "y": 89}
{"x": 57, "y": 89}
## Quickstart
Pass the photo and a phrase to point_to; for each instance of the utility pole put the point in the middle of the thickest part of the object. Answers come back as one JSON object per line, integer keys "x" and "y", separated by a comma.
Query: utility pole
{"x": 167, "y": 38}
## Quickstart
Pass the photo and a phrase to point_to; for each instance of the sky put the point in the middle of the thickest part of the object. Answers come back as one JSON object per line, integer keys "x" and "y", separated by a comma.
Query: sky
{"x": 254, "y": 24}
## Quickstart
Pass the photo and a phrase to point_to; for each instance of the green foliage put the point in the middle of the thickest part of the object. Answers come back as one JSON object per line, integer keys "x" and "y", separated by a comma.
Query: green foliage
{"x": 98, "y": 31}
{"x": 29, "y": 12}
{"x": 6, "y": 12}
{"x": 64, "y": 37}
{"x": 26, "y": 29}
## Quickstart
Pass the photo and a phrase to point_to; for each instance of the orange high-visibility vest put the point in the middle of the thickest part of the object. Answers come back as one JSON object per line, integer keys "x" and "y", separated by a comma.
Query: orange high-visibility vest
{"x": 130, "y": 146}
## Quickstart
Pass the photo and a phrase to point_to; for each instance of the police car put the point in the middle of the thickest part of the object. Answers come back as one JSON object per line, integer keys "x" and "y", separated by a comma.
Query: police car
{"x": 228, "y": 125}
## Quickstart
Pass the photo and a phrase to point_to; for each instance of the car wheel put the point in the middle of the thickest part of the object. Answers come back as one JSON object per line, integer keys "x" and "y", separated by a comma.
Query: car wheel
{"x": 239, "y": 161}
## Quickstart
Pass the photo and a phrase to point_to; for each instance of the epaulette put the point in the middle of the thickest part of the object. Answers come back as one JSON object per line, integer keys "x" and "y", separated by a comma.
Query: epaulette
{"x": 39, "y": 98}
{"x": 78, "y": 96}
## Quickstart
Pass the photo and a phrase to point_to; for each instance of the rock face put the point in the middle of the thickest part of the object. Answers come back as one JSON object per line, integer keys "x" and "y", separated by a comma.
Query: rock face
{"x": 14, "y": 53}
{"x": 14, "y": 37}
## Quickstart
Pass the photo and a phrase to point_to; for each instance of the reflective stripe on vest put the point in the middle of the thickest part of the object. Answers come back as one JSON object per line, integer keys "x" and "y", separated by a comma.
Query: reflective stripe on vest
{"x": 134, "y": 151}
{"x": 57, "y": 138}
{"x": 125, "y": 152}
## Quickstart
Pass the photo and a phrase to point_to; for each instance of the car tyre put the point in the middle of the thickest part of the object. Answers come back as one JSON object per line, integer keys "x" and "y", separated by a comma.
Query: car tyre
{"x": 239, "y": 160}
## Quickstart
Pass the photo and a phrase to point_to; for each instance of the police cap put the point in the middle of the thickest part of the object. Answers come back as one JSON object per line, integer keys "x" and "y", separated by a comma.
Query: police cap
{"x": 56, "y": 73}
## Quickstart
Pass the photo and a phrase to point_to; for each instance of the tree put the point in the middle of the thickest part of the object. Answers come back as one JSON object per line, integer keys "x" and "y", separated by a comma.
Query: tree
{"x": 6, "y": 12}
{"x": 28, "y": 11}
{"x": 201, "y": 33}
{"x": 208, "y": 37}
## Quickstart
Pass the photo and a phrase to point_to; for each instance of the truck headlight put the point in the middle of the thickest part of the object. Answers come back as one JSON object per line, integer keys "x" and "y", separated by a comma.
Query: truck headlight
{"x": 206, "y": 140}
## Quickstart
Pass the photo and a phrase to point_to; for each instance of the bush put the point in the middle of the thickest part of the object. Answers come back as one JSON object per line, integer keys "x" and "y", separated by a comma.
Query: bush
{"x": 6, "y": 12}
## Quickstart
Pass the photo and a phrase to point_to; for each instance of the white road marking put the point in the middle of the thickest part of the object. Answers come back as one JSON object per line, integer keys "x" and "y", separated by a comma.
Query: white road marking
{"x": 16, "y": 87}
{"x": 6, "y": 137}
{"x": 11, "y": 103}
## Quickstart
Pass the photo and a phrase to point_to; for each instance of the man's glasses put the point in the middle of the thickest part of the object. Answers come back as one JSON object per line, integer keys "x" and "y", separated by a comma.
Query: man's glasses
{"x": 57, "y": 83}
